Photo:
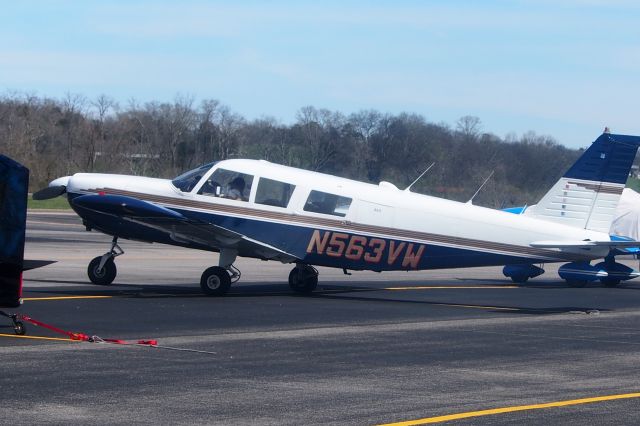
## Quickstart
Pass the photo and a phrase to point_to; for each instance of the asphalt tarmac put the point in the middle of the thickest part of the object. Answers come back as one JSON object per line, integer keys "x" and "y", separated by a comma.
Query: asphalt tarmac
{"x": 364, "y": 349}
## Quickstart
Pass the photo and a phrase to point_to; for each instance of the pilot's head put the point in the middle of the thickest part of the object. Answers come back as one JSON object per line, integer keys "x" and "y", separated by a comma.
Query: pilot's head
{"x": 237, "y": 183}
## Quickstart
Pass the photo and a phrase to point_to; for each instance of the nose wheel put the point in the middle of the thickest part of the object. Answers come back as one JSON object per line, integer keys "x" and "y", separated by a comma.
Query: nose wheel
{"x": 102, "y": 269}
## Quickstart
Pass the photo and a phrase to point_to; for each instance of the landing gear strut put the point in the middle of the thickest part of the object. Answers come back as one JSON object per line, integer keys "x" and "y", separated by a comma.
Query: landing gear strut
{"x": 18, "y": 326}
{"x": 303, "y": 278}
{"x": 102, "y": 269}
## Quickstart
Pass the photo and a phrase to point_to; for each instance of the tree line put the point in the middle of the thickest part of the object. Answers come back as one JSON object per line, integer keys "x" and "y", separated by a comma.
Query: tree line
{"x": 57, "y": 137}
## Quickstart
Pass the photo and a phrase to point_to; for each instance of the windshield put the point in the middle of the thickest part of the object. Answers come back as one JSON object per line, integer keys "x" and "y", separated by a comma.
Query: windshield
{"x": 186, "y": 181}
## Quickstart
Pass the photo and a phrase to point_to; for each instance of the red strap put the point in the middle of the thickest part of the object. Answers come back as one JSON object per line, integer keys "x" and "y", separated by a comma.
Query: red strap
{"x": 84, "y": 337}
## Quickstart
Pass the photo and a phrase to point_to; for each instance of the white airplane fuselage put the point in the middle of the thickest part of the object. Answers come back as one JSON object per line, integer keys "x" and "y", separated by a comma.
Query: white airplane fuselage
{"x": 382, "y": 228}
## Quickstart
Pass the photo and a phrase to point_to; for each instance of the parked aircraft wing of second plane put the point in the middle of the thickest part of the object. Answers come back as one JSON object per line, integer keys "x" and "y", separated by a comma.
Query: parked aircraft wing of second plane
{"x": 258, "y": 209}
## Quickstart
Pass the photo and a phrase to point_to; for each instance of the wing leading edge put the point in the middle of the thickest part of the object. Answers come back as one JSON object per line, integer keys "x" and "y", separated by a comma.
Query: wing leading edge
{"x": 178, "y": 227}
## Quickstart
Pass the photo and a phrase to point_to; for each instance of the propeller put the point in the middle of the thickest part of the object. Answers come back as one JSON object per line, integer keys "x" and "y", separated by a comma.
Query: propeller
{"x": 56, "y": 187}
{"x": 50, "y": 192}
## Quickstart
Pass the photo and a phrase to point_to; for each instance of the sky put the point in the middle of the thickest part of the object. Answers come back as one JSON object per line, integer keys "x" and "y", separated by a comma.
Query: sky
{"x": 560, "y": 68}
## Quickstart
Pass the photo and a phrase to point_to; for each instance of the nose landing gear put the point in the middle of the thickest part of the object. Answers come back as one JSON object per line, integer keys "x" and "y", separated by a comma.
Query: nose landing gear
{"x": 102, "y": 269}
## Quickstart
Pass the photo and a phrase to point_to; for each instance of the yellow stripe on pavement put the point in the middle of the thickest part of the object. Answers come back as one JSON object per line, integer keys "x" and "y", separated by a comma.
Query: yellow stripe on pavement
{"x": 35, "y": 299}
{"x": 490, "y": 412}
{"x": 38, "y": 337}
{"x": 449, "y": 287}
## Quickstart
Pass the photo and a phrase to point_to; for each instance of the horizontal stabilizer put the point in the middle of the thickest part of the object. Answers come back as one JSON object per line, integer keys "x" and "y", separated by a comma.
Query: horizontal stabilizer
{"x": 27, "y": 265}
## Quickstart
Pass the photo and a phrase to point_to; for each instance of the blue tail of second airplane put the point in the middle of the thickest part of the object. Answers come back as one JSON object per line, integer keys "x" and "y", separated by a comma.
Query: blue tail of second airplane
{"x": 587, "y": 195}
{"x": 14, "y": 180}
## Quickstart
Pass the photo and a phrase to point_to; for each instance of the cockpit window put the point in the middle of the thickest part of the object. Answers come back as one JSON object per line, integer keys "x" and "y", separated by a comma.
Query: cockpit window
{"x": 273, "y": 192}
{"x": 323, "y": 202}
{"x": 187, "y": 181}
{"x": 228, "y": 184}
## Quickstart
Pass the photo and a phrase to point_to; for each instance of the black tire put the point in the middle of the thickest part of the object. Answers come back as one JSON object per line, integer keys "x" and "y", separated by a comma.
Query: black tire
{"x": 303, "y": 279}
{"x": 610, "y": 282}
{"x": 215, "y": 281}
{"x": 19, "y": 328}
{"x": 520, "y": 279}
{"x": 576, "y": 283}
{"x": 104, "y": 276}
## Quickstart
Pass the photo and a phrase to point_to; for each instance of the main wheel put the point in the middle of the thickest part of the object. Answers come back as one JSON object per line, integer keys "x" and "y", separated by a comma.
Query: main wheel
{"x": 19, "y": 328}
{"x": 576, "y": 283}
{"x": 104, "y": 276}
{"x": 610, "y": 282}
{"x": 303, "y": 279}
{"x": 215, "y": 281}
{"x": 520, "y": 279}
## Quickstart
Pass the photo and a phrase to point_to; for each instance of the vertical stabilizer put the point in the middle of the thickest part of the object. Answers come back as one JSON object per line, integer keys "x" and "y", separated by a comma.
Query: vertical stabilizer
{"x": 14, "y": 180}
{"x": 588, "y": 193}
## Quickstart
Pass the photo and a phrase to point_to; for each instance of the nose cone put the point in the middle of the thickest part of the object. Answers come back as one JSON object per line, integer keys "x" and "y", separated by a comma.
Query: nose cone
{"x": 61, "y": 181}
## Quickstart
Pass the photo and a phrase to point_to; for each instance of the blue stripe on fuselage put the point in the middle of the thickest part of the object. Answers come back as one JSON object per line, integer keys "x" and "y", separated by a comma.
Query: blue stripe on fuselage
{"x": 322, "y": 247}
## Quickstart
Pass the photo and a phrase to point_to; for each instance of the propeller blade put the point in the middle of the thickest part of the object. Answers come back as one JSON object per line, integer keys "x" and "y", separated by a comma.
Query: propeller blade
{"x": 49, "y": 192}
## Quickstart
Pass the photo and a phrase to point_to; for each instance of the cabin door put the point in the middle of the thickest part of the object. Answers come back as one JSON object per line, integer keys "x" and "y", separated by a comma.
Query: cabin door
{"x": 374, "y": 214}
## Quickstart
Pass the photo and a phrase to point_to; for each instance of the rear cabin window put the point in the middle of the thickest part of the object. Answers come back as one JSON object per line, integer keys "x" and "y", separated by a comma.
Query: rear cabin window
{"x": 323, "y": 202}
{"x": 273, "y": 192}
{"x": 225, "y": 183}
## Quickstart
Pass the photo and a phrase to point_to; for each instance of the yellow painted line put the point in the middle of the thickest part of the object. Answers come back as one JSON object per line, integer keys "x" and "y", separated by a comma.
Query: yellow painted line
{"x": 38, "y": 337}
{"x": 449, "y": 287}
{"x": 499, "y": 308}
{"x": 35, "y": 299}
{"x": 490, "y": 412}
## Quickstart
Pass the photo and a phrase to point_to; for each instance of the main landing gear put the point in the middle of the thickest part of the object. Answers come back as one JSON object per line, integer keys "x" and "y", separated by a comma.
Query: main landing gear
{"x": 303, "y": 278}
{"x": 215, "y": 281}
{"x": 102, "y": 269}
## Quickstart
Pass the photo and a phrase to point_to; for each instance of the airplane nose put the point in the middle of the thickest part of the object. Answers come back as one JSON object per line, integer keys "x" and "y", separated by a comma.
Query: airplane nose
{"x": 61, "y": 181}
{"x": 56, "y": 187}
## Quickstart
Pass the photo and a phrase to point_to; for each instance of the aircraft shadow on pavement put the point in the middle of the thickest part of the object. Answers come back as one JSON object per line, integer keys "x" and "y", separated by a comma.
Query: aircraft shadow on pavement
{"x": 551, "y": 284}
{"x": 325, "y": 291}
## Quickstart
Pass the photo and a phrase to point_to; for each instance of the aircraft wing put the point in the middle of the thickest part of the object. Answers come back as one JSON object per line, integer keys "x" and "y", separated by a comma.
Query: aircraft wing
{"x": 585, "y": 244}
{"x": 178, "y": 227}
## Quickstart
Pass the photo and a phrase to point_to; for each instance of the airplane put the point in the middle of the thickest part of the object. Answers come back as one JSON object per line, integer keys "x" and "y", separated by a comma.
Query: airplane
{"x": 257, "y": 209}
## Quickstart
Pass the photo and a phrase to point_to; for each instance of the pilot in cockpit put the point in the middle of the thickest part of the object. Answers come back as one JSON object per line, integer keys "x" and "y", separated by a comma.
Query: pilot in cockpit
{"x": 210, "y": 187}
{"x": 236, "y": 189}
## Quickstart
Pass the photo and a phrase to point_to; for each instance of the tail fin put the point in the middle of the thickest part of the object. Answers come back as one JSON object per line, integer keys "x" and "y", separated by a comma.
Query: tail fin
{"x": 14, "y": 181}
{"x": 588, "y": 193}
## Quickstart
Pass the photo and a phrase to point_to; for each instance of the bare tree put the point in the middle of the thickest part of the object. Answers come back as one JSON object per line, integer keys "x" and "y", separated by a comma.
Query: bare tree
{"x": 469, "y": 126}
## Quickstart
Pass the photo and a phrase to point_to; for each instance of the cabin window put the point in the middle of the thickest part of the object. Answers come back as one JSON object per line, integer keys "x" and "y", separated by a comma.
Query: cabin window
{"x": 225, "y": 183}
{"x": 273, "y": 193}
{"x": 187, "y": 181}
{"x": 323, "y": 202}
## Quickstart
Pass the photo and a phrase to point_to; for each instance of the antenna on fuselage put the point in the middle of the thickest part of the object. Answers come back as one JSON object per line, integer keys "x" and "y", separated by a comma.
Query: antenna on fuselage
{"x": 481, "y": 186}
{"x": 408, "y": 188}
